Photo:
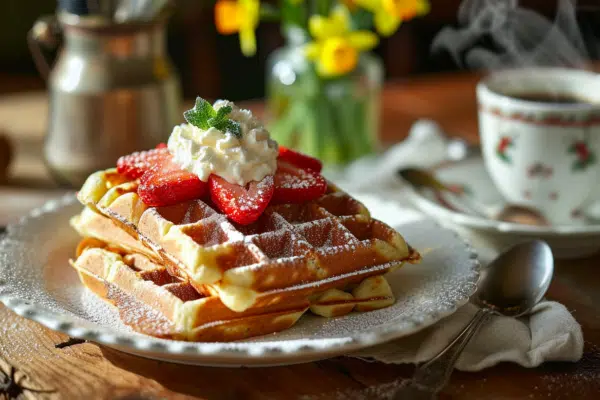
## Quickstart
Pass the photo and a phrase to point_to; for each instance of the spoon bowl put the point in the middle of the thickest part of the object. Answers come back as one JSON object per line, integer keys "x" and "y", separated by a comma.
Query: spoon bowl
{"x": 510, "y": 285}
{"x": 517, "y": 280}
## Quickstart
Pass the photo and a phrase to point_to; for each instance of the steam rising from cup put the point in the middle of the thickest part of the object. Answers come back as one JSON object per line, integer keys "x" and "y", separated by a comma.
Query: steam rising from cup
{"x": 497, "y": 34}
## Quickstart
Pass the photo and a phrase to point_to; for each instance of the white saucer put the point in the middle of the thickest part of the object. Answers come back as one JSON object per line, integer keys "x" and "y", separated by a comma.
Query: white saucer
{"x": 567, "y": 241}
{"x": 37, "y": 282}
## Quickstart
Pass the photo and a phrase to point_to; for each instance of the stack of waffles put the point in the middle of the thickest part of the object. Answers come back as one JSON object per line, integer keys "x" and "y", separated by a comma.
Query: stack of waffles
{"x": 186, "y": 272}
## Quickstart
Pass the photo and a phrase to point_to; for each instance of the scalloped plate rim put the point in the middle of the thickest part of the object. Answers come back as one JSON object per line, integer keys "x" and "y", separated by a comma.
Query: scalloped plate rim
{"x": 229, "y": 354}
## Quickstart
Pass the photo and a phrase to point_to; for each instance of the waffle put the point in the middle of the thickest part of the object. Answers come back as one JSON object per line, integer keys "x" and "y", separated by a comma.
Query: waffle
{"x": 292, "y": 250}
{"x": 153, "y": 302}
{"x": 90, "y": 224}
{"x": 327, "y": 301}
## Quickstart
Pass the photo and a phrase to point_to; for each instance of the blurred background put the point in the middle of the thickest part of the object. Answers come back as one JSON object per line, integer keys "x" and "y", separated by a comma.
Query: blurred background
{"x": 213, "y": 66}
{"x": 125, "y": 101}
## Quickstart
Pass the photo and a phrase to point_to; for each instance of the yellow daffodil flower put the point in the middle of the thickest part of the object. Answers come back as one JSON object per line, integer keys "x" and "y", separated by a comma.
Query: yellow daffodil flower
{"x": 336, "y": 48}
{"x": 239, "y": 16}
{"x": 389, "y": 14}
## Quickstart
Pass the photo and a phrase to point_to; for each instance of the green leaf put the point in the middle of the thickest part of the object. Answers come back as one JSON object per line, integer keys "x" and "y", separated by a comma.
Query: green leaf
{"x": 223, "y": 112}
{"x": 234, "y": 128}
{"x": 204, "y": 116}
{"x": 200, "y": 114}
{"x": 230, "y": 126}
{"x": 220, "y": 125}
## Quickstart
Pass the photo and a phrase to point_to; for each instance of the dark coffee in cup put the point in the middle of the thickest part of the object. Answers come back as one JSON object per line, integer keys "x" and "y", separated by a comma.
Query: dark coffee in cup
{"x": 552, "y": 98}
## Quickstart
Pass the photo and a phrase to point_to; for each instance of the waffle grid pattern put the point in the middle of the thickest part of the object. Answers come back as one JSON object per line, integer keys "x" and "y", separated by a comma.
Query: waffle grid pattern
{"x": 290, "y": 245}
{"x": 154, "y": 302}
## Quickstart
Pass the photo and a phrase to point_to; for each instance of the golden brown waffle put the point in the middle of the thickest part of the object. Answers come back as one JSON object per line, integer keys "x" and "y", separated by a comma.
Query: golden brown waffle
{"x": 327, "y": 301}
{"x": 152, "y": 301}
{"x": 304, "y": 249}
{"x": 90, "y": 224}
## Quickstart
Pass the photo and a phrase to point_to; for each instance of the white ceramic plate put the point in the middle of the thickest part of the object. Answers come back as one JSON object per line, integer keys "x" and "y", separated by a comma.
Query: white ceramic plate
{"x": 567, "y": 241}
{"x": 37, "y": 282}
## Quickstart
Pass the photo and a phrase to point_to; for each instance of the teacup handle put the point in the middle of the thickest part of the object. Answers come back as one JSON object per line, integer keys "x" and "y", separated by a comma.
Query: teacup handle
{"x": 45, "y": 31}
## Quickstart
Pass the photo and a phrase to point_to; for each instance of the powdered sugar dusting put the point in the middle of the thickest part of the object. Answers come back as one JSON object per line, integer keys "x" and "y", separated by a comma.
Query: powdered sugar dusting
{"x": 384, "y": 391}
{"x": 99, "y": 311}
{"x": 37, "y": 281}
{"x": 300, "y": 181}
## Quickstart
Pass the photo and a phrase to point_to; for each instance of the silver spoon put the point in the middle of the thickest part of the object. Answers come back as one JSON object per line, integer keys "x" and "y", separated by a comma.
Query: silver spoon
{"x": 510, "y": 285}
{"x": 419, "y": 178}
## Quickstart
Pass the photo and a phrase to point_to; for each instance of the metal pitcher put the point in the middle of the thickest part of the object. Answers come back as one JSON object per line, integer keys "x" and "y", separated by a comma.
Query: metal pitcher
{"x": 112, "y": 91}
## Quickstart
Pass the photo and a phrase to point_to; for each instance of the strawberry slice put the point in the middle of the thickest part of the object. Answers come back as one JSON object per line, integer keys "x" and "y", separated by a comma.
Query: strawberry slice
{"x": 297, "y": 185}
{"x": 136, "y": 164}
{"x": 241, "y": 204}
{"x": 299, "y": 159}
{"x": 167, "y": 184}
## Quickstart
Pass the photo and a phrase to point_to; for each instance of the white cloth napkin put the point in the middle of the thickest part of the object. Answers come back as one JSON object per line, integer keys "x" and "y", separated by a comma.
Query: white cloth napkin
{"x": 549, "y": 333}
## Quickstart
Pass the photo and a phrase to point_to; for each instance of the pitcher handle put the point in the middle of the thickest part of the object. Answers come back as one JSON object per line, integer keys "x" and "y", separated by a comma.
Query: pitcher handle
{"x": 45, "y": 31}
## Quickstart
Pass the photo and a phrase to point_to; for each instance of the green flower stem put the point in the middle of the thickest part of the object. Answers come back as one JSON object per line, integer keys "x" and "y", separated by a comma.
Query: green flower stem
{"x": 350, "y": 132}
{"x": 294, "y": 14}
{"x": 289, "y": 122}
{"x": 360, "y": 117}
{"x": 323, "y": 117}
{"x": 352, "y": 120}
{"x": 335, "y": 149}
{"x": 335, "y": 131}
{"x": 309, "y": 139}
{"x": 324, "y": 6}
{"x": 338, "y": 132}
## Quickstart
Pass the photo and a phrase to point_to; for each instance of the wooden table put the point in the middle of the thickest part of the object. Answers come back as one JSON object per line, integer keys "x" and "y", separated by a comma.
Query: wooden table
{"x": 86, "y": 370}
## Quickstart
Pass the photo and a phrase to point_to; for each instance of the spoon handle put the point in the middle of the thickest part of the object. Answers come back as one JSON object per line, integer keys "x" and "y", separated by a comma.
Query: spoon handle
{"x": 433, "y": 375}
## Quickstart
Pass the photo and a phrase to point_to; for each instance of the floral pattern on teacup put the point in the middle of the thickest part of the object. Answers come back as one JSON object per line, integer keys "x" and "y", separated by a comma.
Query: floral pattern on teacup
{"x": 585, "y": 157}
{"x": 505, "y": 143}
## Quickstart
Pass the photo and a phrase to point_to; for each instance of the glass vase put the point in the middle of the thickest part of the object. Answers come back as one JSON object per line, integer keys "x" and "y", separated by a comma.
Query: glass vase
{"x": 334, "y": 119}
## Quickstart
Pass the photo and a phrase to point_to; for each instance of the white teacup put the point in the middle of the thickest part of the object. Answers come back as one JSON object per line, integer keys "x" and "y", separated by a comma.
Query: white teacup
{"x": 541, "y": 153}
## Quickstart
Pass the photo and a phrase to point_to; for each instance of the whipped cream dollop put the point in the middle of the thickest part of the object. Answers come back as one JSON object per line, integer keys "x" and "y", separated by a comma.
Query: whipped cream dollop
{"x": 238, "y": 160}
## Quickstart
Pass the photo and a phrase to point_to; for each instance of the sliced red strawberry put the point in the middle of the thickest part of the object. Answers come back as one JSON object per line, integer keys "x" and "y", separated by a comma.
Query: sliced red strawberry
{"x": 299, "y": 159}
{"x": 161, "y": 146}
{"x": 168, "y": 184}
{"x": 297, "y": 185}
{"x": 241, "y": 204}
{"x": 136, "y": 164}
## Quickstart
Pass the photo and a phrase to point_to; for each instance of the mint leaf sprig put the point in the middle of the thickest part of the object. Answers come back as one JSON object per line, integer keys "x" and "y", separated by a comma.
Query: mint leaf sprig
{"x": 204, "y": 116}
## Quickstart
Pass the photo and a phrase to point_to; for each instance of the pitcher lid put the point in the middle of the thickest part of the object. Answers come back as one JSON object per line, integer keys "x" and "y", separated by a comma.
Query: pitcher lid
{"x": 95, "y": 15}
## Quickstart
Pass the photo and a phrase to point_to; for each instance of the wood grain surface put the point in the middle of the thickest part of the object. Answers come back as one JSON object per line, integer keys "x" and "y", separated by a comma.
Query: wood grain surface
{"x": 89, "y": 371}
